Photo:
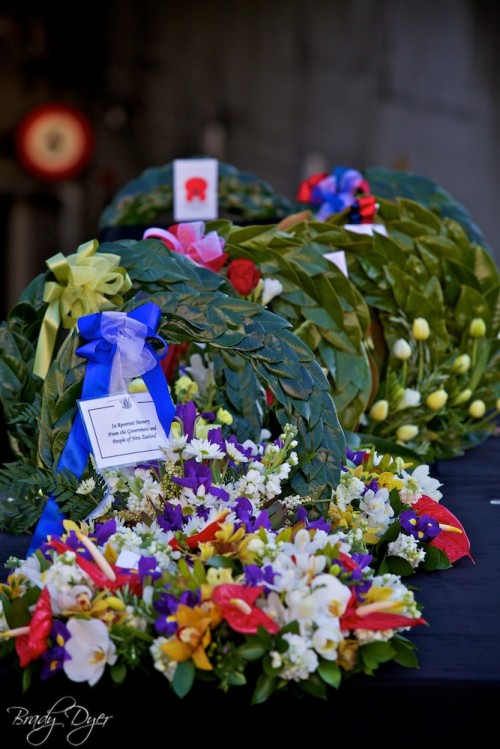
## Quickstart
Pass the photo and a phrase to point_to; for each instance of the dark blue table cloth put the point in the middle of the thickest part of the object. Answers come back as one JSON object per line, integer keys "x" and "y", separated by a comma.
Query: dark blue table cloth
{"x": 455, "y": 690}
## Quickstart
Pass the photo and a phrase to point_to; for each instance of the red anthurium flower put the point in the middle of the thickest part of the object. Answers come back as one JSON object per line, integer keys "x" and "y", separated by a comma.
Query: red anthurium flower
{"x": 97, "y": 576}
{"x": 453, "y": 539}
{"x": 31, "y": 646}
{"x": 243, "y": 274}
{"x": 207, "y": 534}
{"x": 237, "y": 605}
{"x": 373, "y": 616}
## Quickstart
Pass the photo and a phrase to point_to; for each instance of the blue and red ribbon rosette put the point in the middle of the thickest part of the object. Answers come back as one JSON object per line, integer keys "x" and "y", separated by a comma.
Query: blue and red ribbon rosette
{"x": 344, "y": 188}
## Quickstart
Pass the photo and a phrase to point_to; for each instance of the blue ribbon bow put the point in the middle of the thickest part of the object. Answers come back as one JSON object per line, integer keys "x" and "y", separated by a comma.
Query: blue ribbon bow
{"x": 116, "y": 349}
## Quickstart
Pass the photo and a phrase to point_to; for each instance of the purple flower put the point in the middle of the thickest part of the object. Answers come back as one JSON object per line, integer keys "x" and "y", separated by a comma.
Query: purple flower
{"x": 55, "y": 656}
{"x": 255, "y": 575}
{"x": 74, "y": 542}
{"x": 148, "y": 567}
{"x": 172, "y": 518}
{"x": 357, "y": 457}
{"x": 195, "y": 475}
{"x": 104, "y": 530}
{"x": 421, "y": 527}
{"x": 319, "y": 524}
{"x": 167, "y": 605}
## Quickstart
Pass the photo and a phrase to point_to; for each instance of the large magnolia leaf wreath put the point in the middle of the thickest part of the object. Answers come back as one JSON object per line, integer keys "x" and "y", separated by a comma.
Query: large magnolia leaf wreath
{"x": 426, "y": 267}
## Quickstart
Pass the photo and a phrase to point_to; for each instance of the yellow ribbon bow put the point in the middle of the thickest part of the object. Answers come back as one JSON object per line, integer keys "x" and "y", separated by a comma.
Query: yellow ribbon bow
{"x": 85, "y": 283}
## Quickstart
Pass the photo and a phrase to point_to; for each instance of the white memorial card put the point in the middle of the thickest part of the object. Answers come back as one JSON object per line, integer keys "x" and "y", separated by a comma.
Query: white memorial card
{"x": 196, "y": 189}
{"x": 123, "y": 429}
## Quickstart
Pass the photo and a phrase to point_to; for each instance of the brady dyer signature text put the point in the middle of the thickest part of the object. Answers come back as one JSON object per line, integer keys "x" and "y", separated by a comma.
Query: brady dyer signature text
{"x": 66, "y": 715}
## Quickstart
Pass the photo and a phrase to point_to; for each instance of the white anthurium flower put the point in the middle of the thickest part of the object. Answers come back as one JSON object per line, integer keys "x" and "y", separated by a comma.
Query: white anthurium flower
{"x": 270, "y": 288}
{"x": 90, "y": 649}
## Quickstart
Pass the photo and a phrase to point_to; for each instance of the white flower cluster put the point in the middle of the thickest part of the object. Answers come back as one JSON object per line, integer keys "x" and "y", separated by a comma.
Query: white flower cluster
{"x": 407, "y": 548}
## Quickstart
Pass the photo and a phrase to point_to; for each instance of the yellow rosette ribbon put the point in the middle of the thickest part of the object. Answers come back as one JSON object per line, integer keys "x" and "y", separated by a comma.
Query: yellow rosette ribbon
{"x": 85, "y": 283}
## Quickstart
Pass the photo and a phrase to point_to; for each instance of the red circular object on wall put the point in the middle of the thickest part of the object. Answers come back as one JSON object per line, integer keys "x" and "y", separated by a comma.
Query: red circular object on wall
{"x": 54, "y": 141}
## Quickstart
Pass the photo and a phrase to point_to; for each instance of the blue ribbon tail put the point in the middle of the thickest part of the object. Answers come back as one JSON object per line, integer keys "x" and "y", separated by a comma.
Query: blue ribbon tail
{"x": 49, "y": 524}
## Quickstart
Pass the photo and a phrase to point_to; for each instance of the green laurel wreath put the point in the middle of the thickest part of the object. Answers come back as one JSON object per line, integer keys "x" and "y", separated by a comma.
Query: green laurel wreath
{"x": 252, "y": 349}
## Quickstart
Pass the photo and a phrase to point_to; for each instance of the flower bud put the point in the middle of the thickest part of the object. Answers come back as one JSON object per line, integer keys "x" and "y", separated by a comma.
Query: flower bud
{"x": 406, "y": 432}
{"x": 421, "y": 329}
{"x": 409, "y": 398}
{"x": 437, "y": 399}
{"x": 379, "y": 410}
{"x": 477, "y": 409}
{"x": 462, "y": 363}
{"x": 462, "y": 397}
{"x": 477, "y": 328}
{"x": 224, "y": 416}
{"x": 402, "y": 349}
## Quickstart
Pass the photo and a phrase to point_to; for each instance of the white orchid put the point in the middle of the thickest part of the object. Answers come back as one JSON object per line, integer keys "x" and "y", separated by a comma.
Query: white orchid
{"x": 90, "y": 649}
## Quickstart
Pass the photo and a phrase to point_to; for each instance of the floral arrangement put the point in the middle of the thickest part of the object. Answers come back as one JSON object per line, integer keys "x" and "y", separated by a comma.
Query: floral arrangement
{"x": 199, "y": 566}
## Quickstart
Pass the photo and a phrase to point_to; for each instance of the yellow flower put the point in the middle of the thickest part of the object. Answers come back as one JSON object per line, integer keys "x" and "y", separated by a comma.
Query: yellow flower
{"x": 137, "y": 386}
{"x": 406, "y": 432}
{"x": 498, "y": 404}
{"x": 379, "y": 410}
{"x": 193, "y": 636}
{"x": 477, "y": 409}
{"x": 346, "y": 654}
{"x": 401, "y": 349}
{"x": 477, "y": 328}
{"x": 462, "y": 397}
{"x": 421, "y": 329}
{"x": 437, "y": 399}
{"x": 224, "y": 417}
{"x": 462, "y": 363}
{"x": 185, "y": 389}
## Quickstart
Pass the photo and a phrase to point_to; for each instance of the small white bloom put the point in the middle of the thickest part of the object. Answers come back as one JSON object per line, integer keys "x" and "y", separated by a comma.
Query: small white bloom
{"x": 410, "y": 399}
{"x": 86, "y": 486}
{"x": 201, "y": 450}
{"x": 270, "y": 289}
{"x": 407, "y": 548}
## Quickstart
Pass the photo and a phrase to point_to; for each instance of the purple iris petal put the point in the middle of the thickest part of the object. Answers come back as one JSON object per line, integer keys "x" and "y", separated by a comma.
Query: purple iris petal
{"x": 255, "y": 575}
{"x": 373, "y": 485}
{"x": 172, "y": 518}
{"x": 74, "y": 542}
{"x": 421, "y": 527}
{"x": 203, "y": 512}
{"x": 186, "y": 413}
{"x": 164, "y": 625}
{"x": 54, "y": 657}
{"x": 357, "y": 456}
{"x": 195, "y": 475}
{"x": 319, "y": 524}
{"x": 104, "y": 530}
{"x": 148, "y": 568}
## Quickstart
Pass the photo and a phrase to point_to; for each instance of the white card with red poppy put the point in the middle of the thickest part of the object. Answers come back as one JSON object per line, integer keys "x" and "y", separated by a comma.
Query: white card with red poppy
{"x": 196, "y": 189}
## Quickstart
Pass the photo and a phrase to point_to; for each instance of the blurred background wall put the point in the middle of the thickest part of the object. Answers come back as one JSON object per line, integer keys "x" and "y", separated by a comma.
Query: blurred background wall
{"x": 280, "y": 88}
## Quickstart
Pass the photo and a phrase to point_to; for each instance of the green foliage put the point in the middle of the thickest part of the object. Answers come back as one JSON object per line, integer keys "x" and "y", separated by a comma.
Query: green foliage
{"x": 241, "y": 330}
{"x": 426, "y": 267}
